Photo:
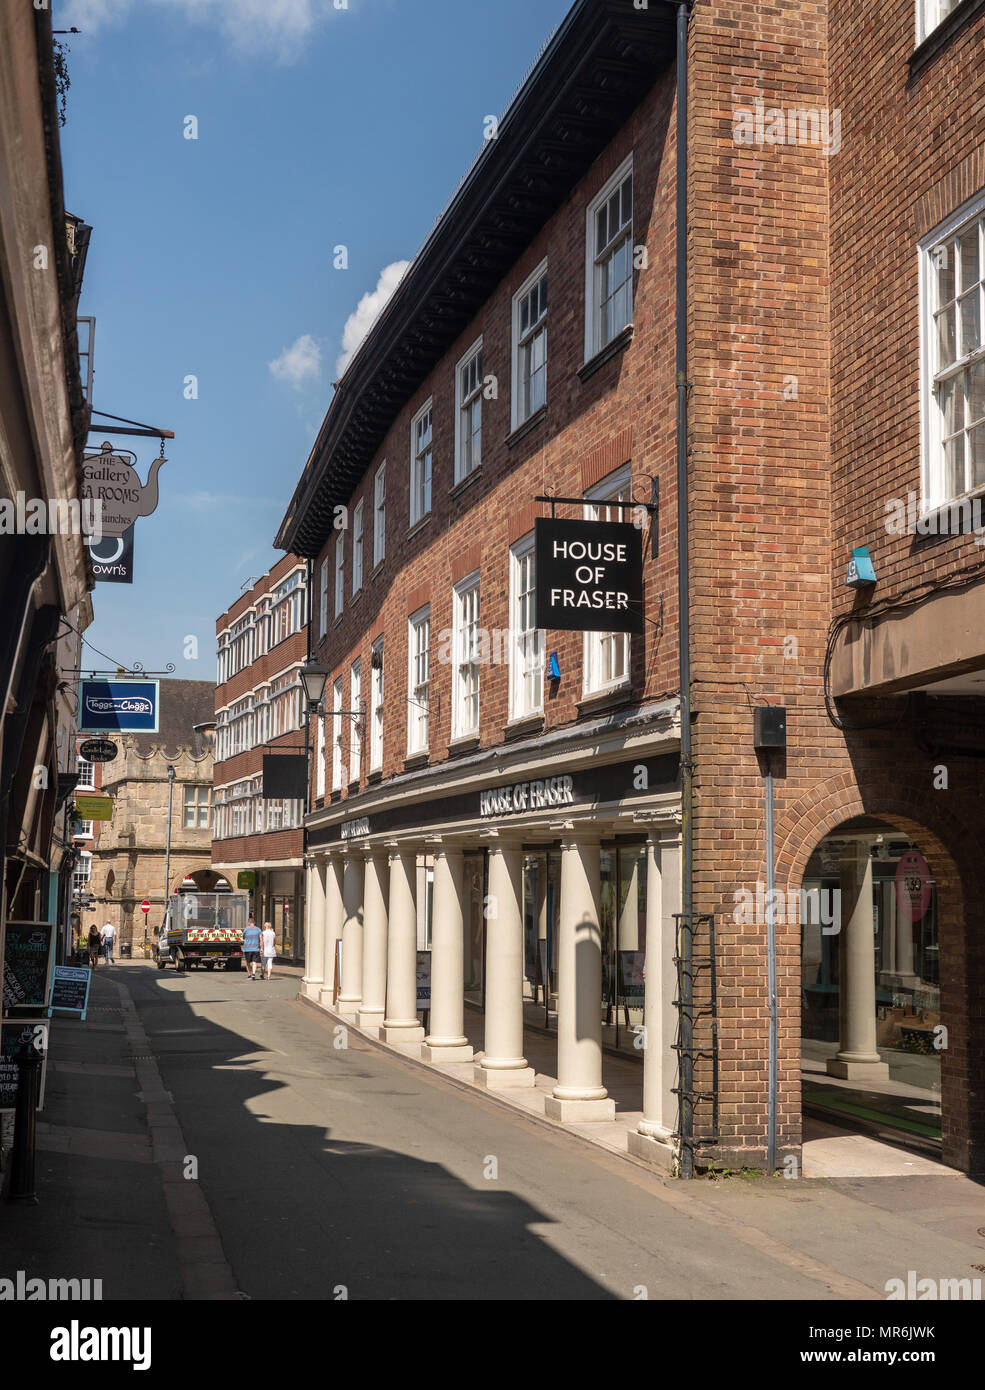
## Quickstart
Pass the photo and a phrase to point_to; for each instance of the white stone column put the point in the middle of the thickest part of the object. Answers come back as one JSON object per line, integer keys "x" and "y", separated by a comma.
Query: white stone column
{"x": 446, "y": 1041}
{"x": 503, "y": 1063}
{"x": 351, "y": 994}
{"x": 579, "y": 1094}
{"x": 401, "y": 1024}
{"x": 373, "y": 1005}
{"x": 314, "y": 929}
{"x": 857, "y": 1058}
{"x": 656, "y": 1129}
{"x": 332, "y": 867}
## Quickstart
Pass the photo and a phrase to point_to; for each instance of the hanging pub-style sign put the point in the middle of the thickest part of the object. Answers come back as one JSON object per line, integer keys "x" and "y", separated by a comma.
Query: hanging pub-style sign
{"x": 589, "y": 575}
{"x": 110, "y": 478}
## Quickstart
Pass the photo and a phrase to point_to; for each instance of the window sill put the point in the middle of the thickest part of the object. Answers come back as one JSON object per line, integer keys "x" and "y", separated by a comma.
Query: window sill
{"x": 519, "y": 728}
{"x": 338, "y": 618}
{"x": 356, "y": 596}
{"x": 529, "y": 424}
{"x": 602, "y": 699}
{"x": 465, "y": 482}
{"x": 375, "y": 776}
{"x": 940, "y": 37}
{"x": 353, "y": 786}
{"x": 619, "y": 343}
{"x": 335, "y": 795}
{"x": 466, "y": 744}
{"x": 418, "y": 525}
{"x": 377, "y": 567}
{"x": 414, "y": 760}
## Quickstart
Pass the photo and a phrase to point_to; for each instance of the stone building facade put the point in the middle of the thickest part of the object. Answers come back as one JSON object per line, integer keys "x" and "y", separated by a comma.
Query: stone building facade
{"x": 128, "y": 853}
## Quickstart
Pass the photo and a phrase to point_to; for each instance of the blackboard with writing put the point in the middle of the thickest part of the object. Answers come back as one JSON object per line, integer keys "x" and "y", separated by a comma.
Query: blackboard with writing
{"x": 33, "y": 1031}
{"x": 27, "y": 964}
{"x": 70, "y": 989}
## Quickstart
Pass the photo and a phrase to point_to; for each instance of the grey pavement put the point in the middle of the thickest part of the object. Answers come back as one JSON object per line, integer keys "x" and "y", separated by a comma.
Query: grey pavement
{"x": 323, "y": 1167}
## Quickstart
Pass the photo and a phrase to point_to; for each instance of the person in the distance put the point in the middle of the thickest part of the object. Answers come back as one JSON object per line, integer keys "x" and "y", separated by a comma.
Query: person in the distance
{"x": 108, "y": 936}
{"x": 269, "y": 949}
{"x": 251, "y": 948}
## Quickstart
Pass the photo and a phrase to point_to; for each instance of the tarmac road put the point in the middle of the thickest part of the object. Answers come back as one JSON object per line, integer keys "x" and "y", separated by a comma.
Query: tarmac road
{"x": 206, "y": 1136}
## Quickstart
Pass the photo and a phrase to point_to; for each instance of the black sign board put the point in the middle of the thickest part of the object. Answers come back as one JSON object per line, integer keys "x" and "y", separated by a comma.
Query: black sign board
{"x": 98, "y": 750}
{"x": 27, "y": 964}
{"x": 34, "y": 1032}
{"x": 589, "y": 575}
{"x": 112, "y": 558}
{"x": 70, "y": 989}
{"x": 285, "y": 776}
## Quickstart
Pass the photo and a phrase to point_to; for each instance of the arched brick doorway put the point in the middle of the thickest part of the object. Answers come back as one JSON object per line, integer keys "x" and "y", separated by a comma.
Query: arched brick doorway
{"x": 952, "y": 850}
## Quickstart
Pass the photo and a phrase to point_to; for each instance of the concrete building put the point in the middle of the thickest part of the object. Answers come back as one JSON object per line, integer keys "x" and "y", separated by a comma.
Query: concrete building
{"x": 122, "y": 862}
{"x": 262, "y": 645}
{"x": 45, "y": 579}
{"x": 795, "y": 334}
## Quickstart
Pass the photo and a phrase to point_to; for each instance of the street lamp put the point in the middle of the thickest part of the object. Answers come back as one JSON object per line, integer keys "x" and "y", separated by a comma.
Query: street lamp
{"x": 313, "y": 678}
{"x": 167, "y": 850}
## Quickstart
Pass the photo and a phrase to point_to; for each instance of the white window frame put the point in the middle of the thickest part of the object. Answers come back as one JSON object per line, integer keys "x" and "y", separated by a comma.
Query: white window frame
{"x": 88, "y": 785}
{"x": 82, "y": 871}
{"x": 323, "y": 598}
{"x": 339, "y": 572}
{"x": 355, "y": 722}
{"x": 379, "y": 515}
{"x": 337, "y": 735}
{"x": 357, "y": 547}
{"x": 594, "y": 281}
{"x": 933, "y": 467}
{"x": 82, "y": 830}
{"x": 599, "y": 647}
{"x": 518, "y": 413}
{"x": 320, "y": 758}
{"x": 195, "y": 803}
{"x": 468, "y": 447}
{"x": 466, "y": 649}
{"x": 931, "y": 14}
{"x": 421, "y": 472}
{"x": 526, "y": 643}
{"x": 418, "y": 663}
{"x": 376, "y": 706}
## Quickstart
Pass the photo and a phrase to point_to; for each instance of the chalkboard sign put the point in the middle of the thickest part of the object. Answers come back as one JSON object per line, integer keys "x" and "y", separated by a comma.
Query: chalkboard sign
{"x": 12, "y": 1034}
{"x": 631, "y": 982}
{"x": 27, "y": 959}
{"x": 424, "y": 979}
{"x": 70, "y": 989}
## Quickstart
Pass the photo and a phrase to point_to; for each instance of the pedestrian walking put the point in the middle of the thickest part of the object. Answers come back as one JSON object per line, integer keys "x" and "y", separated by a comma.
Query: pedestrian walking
{"x": 92, "y": 941}
{"x": 251, "y": 949}
{"x": 107, "y": 936}
{"x": 269, "y": 950}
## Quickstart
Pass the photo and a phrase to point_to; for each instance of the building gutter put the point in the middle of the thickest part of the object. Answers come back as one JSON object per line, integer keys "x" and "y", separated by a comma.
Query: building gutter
{"x": 686, "y": 1079}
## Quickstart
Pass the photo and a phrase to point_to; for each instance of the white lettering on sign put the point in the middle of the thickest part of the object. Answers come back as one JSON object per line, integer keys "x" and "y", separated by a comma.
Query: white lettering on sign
{"x": 589, "y": 598}
{"x": 526, "y": 796}
{"x": 353, "y": 828}
{"x": 607, "y": 551}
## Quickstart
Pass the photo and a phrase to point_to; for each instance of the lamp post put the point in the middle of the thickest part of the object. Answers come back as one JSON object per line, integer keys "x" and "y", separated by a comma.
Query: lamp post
{"x": 167, "y": 848}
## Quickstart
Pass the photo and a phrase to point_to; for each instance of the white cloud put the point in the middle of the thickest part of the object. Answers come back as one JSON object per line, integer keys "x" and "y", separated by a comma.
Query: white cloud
{"x": 277, "y": 27}
{"x": 298, "y": 363}
{"x": 366, "y": 312}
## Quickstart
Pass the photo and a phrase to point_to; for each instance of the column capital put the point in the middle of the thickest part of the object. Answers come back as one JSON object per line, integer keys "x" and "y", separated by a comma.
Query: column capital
{"x": 512, "y": 840}
{"x": 393, "y": 847}
{"x": 444, "y": 844}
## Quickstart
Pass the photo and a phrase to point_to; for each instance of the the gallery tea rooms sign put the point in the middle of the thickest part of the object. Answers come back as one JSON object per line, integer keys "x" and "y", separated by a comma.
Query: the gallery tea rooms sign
{"x": 589, "y": 576}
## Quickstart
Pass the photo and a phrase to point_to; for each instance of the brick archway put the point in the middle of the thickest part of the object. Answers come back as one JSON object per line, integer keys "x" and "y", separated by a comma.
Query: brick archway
{"x": 953, "y": 850}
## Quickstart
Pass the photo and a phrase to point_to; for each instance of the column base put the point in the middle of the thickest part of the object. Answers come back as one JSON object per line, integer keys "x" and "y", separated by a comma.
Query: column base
{"x": 325, "y": 998}
{"x": 495, "y": 1080}
{"x": 447, "y": 1052}
{"x": 370, "y": 1018}
{"x": 349, "y": 1007}
{"x": 571, "y": 1112}
{"x": 857, "y": 1071}
{"x": 312, "y": 989}
{"x": 402, "y": 1033}
{"x": 650, "y": 1149}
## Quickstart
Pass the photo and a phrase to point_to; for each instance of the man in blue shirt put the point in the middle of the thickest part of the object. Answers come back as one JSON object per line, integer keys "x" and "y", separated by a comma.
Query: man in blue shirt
{"x": 251, "y": 948}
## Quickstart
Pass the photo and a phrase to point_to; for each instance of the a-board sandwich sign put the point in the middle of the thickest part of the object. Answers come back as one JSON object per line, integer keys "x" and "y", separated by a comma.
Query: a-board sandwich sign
{"x": 70, "y": 989}
{"x": 14, "y": 1034}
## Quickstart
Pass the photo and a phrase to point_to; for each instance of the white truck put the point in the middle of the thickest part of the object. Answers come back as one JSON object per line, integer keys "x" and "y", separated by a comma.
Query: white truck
{"x": 204, "y": 929}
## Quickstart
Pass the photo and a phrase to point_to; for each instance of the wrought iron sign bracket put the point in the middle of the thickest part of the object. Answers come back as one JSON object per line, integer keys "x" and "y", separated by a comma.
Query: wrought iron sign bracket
{"x": 652, "y": 507}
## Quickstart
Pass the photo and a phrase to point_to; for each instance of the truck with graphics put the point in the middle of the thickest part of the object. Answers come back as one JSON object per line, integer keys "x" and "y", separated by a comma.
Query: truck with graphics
{"x": 204, "y": 929}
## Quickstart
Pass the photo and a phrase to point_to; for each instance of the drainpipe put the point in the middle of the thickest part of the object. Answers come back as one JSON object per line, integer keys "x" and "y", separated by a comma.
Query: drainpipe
{"x": 686, "y": 1079}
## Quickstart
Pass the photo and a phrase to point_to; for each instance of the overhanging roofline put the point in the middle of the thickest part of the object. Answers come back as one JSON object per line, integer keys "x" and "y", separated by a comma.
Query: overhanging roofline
{"x": 603, "y": 58}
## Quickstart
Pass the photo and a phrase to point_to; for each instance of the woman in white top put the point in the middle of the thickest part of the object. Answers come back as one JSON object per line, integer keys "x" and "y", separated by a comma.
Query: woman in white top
{"x": 268, "y": 949}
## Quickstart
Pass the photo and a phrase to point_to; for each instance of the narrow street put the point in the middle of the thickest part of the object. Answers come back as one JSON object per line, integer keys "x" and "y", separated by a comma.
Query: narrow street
{"x": 331, "y": 1172}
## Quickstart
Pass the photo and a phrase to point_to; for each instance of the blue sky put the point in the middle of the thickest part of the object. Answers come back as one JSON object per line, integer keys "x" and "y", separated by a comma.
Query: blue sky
{"x": 213, "y": 257}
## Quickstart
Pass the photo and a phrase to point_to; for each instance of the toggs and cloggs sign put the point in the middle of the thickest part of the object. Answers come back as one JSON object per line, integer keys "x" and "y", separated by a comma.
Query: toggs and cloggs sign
{"x": 589, "y": 576}
{"x": 124, "y": 707}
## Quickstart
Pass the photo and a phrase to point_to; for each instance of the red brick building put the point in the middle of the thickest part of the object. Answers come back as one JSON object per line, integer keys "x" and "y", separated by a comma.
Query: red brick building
{"x": 513, "y": 800}
{"x": 262, "y": 642}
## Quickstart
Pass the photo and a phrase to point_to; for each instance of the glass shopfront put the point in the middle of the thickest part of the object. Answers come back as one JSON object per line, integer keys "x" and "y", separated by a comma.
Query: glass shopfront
{"x": 282, "y": 903}
{"x": 475, "y": 894}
